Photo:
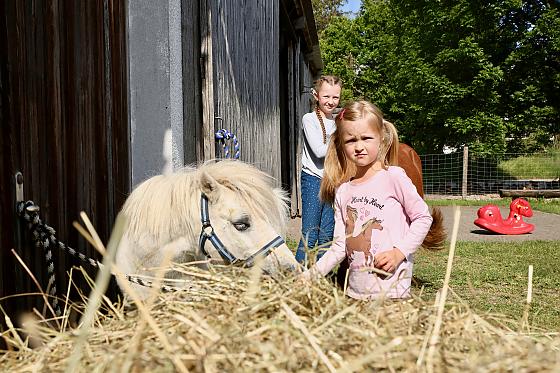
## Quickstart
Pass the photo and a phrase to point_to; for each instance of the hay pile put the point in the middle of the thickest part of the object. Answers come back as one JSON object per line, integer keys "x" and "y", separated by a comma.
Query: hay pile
{"x": 228, "y": 320}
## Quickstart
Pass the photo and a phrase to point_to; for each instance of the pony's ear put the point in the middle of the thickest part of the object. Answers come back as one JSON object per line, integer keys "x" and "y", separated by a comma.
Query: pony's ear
{"x": 209, "y": 186}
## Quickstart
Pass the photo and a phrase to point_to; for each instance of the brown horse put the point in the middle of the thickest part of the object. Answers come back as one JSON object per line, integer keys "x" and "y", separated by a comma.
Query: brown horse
{"x": 412, "y": 165}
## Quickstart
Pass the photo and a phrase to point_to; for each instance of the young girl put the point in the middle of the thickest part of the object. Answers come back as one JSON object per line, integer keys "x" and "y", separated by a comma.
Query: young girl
{"x": 317, "y": 218}
{"x": 380, "y": 220}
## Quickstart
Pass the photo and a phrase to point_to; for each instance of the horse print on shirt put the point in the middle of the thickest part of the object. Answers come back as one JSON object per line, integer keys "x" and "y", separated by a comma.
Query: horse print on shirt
{"x": 362, "y": 241}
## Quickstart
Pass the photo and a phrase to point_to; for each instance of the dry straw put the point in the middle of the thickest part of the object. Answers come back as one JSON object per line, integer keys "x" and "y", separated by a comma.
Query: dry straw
{"x": 239, "y": 320}
{"x": 214, "y": 326}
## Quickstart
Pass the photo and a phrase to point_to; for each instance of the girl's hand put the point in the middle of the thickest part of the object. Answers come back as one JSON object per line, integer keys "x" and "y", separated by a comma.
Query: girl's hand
{"x": 308, "y": 276}
{"x": 304, "y": 278}
{"x": 388, "y": 260}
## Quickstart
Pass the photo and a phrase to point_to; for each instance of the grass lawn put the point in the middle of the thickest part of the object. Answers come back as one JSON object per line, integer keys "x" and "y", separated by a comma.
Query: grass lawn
{"x": 540, "y": 165}
{"x": 492, "y": 277}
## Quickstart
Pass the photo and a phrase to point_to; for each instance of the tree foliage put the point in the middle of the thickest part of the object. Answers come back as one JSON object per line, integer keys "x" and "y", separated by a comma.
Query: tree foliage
{"x": 325, "y": 11}
{"x": 450, "y": 73}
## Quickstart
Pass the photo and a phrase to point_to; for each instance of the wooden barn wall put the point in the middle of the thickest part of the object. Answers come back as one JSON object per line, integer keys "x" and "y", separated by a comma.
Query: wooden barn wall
{"x": 192, "y": 116}
{"x": 303, "y": 103}
{"x": 306, "y": 103}
{"x": 246, "y": 95}
{"x": 286, "y": 87}
{"x": 291, "y": 112}
{"x": 296, "y": 80}
{"x": 288, "y": 114}
{"x": 64, "y": 126}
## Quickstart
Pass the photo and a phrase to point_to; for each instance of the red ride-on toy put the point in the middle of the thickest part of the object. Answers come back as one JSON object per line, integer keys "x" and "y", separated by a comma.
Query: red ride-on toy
{"x": 490, "y": 218}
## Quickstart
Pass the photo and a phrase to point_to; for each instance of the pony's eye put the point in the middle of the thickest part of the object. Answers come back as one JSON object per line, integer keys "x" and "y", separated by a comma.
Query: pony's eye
{"x": 241, "y": 226}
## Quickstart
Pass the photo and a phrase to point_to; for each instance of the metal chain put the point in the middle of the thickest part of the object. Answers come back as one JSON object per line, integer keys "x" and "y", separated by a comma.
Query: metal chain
{"x": 45, "y": 237}
{"x": 149, "y": 284}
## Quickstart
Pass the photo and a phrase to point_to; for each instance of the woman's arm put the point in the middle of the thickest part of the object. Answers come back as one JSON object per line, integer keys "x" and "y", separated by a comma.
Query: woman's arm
{"x": 314, "y": 135}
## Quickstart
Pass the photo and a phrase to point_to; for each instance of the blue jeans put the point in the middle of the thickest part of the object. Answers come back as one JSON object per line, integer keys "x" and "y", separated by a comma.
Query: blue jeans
{"x": 317, "y": 218}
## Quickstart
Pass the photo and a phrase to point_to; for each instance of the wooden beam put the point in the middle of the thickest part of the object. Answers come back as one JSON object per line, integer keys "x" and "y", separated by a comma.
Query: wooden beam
{"x": 207, "y": 149}
{"x": 465, "y": 171}
{"x": 551, "y": 193}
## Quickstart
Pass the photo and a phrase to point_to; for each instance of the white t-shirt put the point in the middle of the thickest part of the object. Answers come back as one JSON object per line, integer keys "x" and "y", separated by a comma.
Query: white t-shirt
{"x": 314, "y": 151}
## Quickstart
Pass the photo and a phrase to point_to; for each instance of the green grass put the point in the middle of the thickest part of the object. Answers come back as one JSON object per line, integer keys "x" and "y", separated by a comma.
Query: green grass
{"x": 543, "y": 165}
{"x": 492, "y": 277}
{"x": 551, "y": 205}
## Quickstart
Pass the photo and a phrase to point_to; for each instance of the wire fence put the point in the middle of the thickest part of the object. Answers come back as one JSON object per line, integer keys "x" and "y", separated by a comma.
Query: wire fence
{"x": 462, "y": 174}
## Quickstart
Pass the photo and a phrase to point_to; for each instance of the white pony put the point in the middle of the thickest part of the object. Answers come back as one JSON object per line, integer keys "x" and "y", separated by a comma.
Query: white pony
{"x": 243, "y": 216}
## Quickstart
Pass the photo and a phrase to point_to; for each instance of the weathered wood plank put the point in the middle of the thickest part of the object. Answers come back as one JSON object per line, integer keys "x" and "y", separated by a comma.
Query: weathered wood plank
{"x": 553, "y": 193}
{"x": 64, "y": 118}
{"x": 192, "y": 102}
{"x": 207, "y": 143}
{"x": 246, "y": 54}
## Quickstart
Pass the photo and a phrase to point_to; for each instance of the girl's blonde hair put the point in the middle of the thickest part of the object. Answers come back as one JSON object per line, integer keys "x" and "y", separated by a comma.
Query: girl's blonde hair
{"x": 337, "y": 168}
{"x": 330, "y": 80}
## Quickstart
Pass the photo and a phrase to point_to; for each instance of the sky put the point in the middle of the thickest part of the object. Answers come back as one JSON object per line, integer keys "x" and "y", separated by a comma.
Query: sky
{"x": 352, "y": 6}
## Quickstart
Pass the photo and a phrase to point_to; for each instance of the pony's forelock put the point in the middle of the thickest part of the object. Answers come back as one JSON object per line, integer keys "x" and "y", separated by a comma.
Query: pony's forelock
{"x": 256, "y": 188}
{"x": 166, "y": 205}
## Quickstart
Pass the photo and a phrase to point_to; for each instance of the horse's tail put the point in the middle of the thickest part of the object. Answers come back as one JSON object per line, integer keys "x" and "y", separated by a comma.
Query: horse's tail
{"x": 436, "y": 236}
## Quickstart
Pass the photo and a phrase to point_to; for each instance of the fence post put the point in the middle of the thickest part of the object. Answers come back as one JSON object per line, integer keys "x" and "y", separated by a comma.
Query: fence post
{"x": 465, "y": 171}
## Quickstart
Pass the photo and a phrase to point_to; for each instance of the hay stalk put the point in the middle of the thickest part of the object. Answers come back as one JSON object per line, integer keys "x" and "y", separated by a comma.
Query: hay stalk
{"x": 524, "y": 324}
{"x": 434, "y": 339}
{"x": 298, "y": 324}
{"x": 101, "y": 283}
{"x": 43, "y": 294}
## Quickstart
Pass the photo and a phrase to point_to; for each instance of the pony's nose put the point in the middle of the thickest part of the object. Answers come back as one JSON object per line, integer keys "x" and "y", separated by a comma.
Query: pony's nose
{"x": 286, "y": 258}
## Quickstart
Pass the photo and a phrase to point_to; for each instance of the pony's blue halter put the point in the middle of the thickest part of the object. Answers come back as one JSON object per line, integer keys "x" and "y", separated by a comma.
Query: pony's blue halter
{"x": 207, "y": 233}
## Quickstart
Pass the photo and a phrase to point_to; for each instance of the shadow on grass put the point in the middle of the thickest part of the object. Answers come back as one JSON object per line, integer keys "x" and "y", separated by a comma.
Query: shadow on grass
{"x": 420, "y": 283}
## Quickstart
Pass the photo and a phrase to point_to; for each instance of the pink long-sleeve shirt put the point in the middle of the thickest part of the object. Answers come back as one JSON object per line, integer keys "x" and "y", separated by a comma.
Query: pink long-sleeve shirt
{"x": 383, "y": 212}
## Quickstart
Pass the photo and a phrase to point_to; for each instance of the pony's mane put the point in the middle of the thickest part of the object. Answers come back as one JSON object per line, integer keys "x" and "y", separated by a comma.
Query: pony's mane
{"x": 166, "y": 205}
{"x": 256, "y": 188}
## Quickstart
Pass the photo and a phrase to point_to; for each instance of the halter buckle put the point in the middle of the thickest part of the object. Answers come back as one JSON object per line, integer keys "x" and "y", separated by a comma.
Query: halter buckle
{"x": 207, "y": 230}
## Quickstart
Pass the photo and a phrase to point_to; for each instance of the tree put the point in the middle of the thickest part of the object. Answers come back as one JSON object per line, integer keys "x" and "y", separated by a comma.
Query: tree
{"x": 531, "y": 99}
{"x": 325, "y": 11}
{"x": 477, "y": 73}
